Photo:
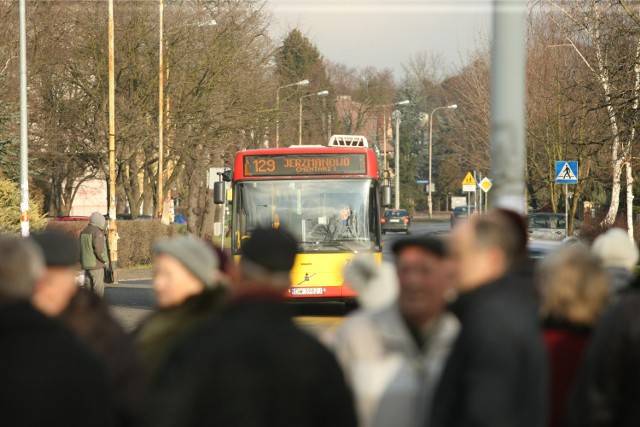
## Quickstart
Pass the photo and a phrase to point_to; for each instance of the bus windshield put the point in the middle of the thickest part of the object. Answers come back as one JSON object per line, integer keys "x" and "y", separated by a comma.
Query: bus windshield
{"x": 324, "y": 215}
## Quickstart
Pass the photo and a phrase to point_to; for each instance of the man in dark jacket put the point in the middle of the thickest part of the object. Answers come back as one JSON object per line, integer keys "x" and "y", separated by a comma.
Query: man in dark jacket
{"x": 607, "y": 391}
{"x": 496, "y": 374}
{"x": 93, "y": 253}
{"x": 87, "y": 316}
{"x": 253, "y": 367}
{"x": 47, "y": 376}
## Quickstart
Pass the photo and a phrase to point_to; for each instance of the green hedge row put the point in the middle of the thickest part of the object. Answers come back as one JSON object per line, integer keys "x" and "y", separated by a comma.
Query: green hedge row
{"x": 136, "y": 237}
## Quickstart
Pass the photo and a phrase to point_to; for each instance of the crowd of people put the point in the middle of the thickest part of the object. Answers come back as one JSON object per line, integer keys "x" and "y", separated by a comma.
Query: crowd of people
{"x": 454, "y": 333}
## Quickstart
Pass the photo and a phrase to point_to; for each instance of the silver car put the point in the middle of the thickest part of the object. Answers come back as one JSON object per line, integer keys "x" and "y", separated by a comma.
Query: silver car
{"x": 548, "y": 226}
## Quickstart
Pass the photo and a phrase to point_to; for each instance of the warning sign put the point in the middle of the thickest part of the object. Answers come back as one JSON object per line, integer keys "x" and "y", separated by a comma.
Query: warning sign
{"x": 469, "y": 183}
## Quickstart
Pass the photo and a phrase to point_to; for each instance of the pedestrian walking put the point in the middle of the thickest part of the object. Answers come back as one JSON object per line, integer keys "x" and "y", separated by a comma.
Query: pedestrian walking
{"x": 393, "y": 356}
{"x": 575, "y": 291}
{"x": 607, "y": 389}
{"x": 48, "y": 376}
{"x": 186, "y": 282}
{"x": 619, "y": 255}
{"x": 87, "y": 316}
{"x": 253, "y": 366}
{"x": 496, "y": 374}
{"x": 93, "y": 253}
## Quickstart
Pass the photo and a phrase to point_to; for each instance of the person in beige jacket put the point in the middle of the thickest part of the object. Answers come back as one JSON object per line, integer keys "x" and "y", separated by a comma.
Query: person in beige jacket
{"x": 393, "y": 356}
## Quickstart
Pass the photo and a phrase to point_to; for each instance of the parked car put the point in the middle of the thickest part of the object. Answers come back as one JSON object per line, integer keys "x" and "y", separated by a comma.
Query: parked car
{"x": 396, "y": 220}
{"x": 69, "y": 218}
{"x": 538, "y": 249}
{"x": 549, "y": 226}
{"x": 461, "y": 213}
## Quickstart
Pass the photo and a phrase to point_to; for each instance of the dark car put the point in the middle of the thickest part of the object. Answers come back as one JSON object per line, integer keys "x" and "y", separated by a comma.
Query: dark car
{"x": 461, "y": 213}
{"x": 396, "y": 220}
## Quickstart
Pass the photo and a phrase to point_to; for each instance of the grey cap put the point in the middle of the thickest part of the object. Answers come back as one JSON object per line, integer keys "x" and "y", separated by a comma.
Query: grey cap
{"x": 194, "y": 255}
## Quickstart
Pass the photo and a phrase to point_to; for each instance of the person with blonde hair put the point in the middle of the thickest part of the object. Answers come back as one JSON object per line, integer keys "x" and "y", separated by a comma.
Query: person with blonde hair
{"x": 575, "y": 290}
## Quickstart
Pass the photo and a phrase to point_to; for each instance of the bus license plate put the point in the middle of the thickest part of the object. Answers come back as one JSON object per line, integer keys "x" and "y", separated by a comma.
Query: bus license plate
{"x": 307, "y": 291}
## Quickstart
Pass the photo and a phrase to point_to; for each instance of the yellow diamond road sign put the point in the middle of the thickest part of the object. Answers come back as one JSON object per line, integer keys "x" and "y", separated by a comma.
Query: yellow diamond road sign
{"x": 486, "y": 184}
{"x": 469, "y": 183}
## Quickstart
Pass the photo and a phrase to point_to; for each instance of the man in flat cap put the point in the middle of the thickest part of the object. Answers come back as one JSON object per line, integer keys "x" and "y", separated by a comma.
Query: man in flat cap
{"x": 393, "y": 356}
{"x": 254, "y": 366}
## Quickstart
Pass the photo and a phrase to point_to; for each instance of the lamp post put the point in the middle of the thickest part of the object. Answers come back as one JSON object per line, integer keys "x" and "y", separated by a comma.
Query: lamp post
{"x": 304, "y": 82}
{"x": 384, "y": 133}
{"x": 321, "y": 93}
{"x": 397, "y": 116}
{"x": 211, "y": 22}
{"x": 451, "y": 107}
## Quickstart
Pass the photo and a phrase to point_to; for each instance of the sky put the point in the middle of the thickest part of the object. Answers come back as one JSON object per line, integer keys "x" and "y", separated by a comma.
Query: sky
{"x": 384, "y": 34}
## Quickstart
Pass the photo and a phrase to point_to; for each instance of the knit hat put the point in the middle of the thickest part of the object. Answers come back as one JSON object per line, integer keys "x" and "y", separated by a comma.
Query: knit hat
{"x": 429, "y": 244}
{"x": 98, "y": 220}
{"x": 194, "y": 255}
{"x": 615, "y": 249}
{"x": 376, "y": 284}
{"x": 272, "y": 249}
{"x": 60, "y": 249}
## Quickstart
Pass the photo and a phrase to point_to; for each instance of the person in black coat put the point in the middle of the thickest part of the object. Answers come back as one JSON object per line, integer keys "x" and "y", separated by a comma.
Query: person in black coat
{"x": 87, "y": 316}
{"x": 496, "y": 374}
{"x": 607, "y": 391}
{"x": 253, "y": 366}
{"x": 47, "y": 376}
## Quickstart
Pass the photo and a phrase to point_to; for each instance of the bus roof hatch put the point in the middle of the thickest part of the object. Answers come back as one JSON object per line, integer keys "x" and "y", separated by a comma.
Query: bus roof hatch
{"x": 348, "y": 141}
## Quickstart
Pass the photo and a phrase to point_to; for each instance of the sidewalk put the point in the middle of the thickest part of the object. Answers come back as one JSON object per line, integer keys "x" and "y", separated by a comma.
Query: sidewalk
{"x": 123, "y": 274}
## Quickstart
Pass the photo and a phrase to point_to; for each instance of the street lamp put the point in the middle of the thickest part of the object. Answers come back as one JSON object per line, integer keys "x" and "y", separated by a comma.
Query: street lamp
{"x": 397, "y": 115}
{"x": 321, "y": 93}
{"x": 450, "y": 107}
{"x": 304, "y": 82}
{"x": 384, "y": 132}
{"x": 161, "y": 98}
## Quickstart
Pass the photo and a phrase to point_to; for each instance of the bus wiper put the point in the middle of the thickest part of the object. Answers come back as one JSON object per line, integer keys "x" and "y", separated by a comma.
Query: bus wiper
{"x": 341, "y": 244}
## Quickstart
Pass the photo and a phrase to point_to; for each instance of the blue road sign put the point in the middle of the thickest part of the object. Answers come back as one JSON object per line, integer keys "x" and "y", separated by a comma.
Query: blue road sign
{"x": 422, "y": 181}
{"x": 566, "y": 172}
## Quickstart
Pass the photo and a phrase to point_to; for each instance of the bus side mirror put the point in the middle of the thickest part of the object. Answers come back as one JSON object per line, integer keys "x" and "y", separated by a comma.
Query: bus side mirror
{"x": 219, "y": 193}
{"x": 386, "y": 196}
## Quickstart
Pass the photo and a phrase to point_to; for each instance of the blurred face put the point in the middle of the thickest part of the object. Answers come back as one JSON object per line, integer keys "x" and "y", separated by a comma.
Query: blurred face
{"x": 472, "y": 266}
{"x": 423, "y": 284}
{"x": 172, "y": 282}
{"x": 54, "y": 290}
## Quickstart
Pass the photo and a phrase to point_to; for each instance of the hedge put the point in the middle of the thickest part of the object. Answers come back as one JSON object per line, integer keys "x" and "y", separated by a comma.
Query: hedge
{"x": 136, "y": 237}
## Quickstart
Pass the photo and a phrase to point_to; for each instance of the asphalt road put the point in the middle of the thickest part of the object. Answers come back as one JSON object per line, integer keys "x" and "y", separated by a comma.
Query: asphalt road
{"x": 132, "y": 300}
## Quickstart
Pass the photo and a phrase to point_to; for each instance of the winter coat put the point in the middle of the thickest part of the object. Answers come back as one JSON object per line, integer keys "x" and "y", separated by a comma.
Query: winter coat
{"x": 93, "y": 248}
{"x": 393, "y": 379}
{"x": 157, "y": 334}
{"x": 566, "y": 344}
{"x": 47, "y": 376}
{"x": 253, "y": 367}
{"x": 607, "y": 391}
{"x": 88, "y": 317}
{"x": 496, "y": 374}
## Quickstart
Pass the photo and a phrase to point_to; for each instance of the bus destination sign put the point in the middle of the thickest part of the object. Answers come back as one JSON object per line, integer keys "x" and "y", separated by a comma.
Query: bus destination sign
{"x": 305, "y": 164}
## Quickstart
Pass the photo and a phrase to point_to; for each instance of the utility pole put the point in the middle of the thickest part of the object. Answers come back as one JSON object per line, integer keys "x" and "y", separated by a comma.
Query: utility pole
{"x": 507, "y": 104}
{"x": 397, "y": 118}
{"x": 24, "y": 147}
{"x": 113, "y": 230}
{"x": 160, "y": 110}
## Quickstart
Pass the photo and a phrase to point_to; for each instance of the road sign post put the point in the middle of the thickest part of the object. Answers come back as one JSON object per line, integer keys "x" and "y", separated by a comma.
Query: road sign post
{"x": 567, "y": 174}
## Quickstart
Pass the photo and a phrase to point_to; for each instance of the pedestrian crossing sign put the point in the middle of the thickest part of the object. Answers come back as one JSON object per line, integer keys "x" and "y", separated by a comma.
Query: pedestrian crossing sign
{"x": 566, "y": 172}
